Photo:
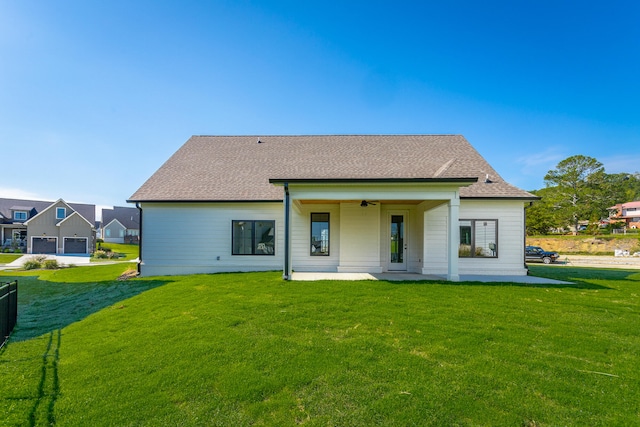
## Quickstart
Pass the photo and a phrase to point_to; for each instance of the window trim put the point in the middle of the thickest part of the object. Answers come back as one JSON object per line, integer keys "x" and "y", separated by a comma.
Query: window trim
{"x": 311, "y": 252}
{"x": 472, "y": 251}
{"x": 253, "y": 236}
{"x": 24, "y": 213}
{"x": 63, "y": 210}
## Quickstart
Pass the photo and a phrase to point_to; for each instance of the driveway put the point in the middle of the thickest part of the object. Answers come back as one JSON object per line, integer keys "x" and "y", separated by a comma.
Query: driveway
{"x": 61, "y": 259}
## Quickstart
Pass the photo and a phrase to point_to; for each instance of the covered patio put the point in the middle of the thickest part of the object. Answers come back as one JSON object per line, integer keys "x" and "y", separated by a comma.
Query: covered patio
{"x": 377, "y": 225}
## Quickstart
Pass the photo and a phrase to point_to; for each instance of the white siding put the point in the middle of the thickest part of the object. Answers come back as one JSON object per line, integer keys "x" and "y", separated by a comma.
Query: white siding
{"x": 510, "y": 260}
{"x": 301, "y": 258}
{"x": 188, "y": 238}
{"x": 359, "y": 241}
{"x": 436, "y": 227}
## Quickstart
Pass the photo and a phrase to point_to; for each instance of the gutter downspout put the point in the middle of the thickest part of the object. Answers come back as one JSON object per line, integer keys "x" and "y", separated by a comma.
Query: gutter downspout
{"x": 139, "y": 239}
{"x": 287, "y": 202}
{"x": 524, "y": 243}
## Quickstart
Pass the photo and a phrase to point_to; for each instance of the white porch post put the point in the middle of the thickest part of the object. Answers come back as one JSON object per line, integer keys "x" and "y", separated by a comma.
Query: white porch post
{"x": 453, "y": 239}
{"x": 286, "y": 270}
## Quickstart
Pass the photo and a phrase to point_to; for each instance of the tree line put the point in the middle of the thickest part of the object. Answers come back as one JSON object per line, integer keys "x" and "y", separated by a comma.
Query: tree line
{"x": 579, "y": 190}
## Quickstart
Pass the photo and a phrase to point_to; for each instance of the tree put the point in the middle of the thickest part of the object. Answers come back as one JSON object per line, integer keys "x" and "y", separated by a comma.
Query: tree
{"x": 541, "y": 217}
{"x": 579, "y": 183}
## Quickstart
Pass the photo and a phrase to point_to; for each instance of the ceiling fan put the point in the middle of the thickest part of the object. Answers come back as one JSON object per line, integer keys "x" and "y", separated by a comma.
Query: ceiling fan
{"x": 365, "y": 203}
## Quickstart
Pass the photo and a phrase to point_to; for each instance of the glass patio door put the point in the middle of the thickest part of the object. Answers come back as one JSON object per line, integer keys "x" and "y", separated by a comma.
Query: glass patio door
{"x": 397, "y": 245}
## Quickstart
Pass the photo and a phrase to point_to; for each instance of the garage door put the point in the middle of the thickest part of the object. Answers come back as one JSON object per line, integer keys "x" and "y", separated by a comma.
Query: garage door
{"x": 75, "y": 245}
{"x": 44, "y": 245}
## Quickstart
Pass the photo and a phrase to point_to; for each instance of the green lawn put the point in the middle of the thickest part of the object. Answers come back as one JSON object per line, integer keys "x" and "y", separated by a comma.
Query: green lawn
{"x": 251, "y": 349}
{"x": 7, "y": 258}
{"x": 128, "y": 251}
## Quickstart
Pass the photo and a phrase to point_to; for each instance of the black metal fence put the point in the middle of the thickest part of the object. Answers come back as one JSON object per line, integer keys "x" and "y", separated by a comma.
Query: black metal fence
{"x": 8, "y": 309}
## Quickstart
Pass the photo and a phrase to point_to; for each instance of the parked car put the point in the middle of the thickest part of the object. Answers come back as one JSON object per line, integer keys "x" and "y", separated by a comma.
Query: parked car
{"x": 536, "y": 253}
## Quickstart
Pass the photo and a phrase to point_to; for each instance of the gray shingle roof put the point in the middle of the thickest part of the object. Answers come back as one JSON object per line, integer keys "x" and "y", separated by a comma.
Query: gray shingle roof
{"x": 128, "y": 217}
{"x": 238, "y": 168}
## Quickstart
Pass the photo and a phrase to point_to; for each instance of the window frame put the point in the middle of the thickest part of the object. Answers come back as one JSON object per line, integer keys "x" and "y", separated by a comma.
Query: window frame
{"x": 254, "y": 243}
{"x": 25, "y": 214}
{"x": 473, "y": 248}
{"x": 311, "y": 246}
{"x": 63, "y": 210}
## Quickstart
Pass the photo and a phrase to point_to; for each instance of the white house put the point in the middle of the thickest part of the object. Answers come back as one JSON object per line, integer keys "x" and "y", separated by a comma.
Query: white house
{"x": 427, "y": 204}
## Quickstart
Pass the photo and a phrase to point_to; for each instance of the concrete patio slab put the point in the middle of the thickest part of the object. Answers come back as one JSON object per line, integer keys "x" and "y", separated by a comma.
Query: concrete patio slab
{"x": 397, "y": 277}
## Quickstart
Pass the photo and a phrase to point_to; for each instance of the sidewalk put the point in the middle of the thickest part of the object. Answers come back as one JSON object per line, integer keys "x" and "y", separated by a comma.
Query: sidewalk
{"x": 61, "y": 259}
{"x": 631, "y": 262}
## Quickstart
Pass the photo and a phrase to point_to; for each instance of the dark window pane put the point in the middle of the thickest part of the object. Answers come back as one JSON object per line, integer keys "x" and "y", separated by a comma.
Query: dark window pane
{"x": 253, "y": 237}
{"x": 319, "y": 234}
{"x": 478, "y": 238}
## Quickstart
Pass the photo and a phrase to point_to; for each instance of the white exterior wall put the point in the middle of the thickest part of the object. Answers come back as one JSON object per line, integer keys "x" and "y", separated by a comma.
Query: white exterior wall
{"x": 188, "y": 238}
{"x": 436, "y": 224}
{"x": 360, "y": 244}
{"x": 191, "y": 238}
{"x": 510, "y": 260}
{"x": 301, "y": 258}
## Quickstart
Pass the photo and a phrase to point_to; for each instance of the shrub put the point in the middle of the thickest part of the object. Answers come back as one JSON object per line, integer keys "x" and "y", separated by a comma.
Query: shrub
{"x": 105, "y": 254}
{"x": 31, "y": 264}
{"x": 99, "y": 254}
{"x": 34, "y": 262}
{"x": 51, "y": 264}
{"x": 464, "y": 250}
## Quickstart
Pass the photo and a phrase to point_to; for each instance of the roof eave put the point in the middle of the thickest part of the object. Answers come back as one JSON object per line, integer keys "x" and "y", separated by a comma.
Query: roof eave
{"x": 371, "y": 180}
{"x": 201, "y": 201}
{"x": 523, "y": 198}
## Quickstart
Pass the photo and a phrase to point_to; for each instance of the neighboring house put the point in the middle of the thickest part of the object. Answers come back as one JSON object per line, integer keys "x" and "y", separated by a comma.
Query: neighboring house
{"x": 629, "y": 213}
{"x": 426, "y": 204}
{"x": 120, "y": 225}
{"x": 35, "y": 226}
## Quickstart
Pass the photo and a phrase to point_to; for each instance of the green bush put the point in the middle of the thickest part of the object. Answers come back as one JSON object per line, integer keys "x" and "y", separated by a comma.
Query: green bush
{"x": 99, "y": 254}
{"x": 31, "y": 264}
{"x": 40, "y": 261}
{"x": 51, "y": 264}
{"x": 464, "y": 250}
{"x": 106, "y": 254}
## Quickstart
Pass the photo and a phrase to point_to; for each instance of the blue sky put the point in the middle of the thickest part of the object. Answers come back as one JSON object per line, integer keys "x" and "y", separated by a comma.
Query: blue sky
{"x": 96, "y": 95}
